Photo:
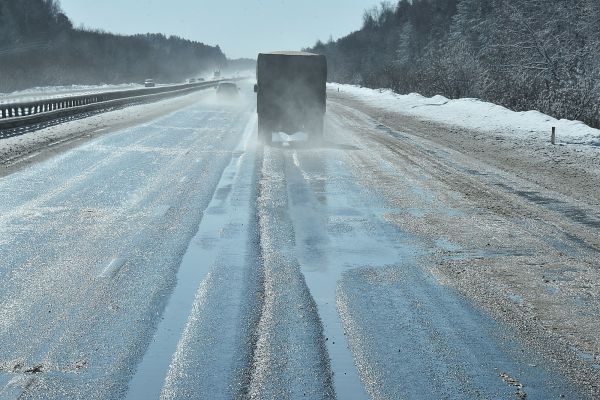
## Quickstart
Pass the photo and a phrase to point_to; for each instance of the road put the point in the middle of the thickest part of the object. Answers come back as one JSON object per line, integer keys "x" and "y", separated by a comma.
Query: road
{"x": 179, "y": 259}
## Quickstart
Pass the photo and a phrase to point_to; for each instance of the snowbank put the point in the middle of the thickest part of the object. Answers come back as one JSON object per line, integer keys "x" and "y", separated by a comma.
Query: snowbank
{"x": 475, "y": 114}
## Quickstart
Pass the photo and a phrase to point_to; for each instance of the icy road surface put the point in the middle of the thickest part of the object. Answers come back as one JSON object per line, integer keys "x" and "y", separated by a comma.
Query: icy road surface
{"x": 178, "y": 259}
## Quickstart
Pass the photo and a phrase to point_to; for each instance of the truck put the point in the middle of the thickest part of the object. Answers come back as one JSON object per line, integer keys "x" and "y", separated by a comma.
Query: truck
{"x": 291, "y": 94}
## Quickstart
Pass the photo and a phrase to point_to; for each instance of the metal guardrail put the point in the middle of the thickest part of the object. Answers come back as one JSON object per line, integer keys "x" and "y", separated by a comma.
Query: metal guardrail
{"x": 20, "y": 114}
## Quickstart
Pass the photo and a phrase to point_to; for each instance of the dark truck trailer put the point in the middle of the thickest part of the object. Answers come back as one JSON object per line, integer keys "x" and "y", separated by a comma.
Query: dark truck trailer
{"x": 291, "y": 93}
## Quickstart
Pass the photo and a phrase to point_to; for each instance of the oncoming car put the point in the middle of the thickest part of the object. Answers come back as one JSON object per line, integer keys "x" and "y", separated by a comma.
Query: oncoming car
{"x": 227, "y": 89}
{"x": 149, "y": 83}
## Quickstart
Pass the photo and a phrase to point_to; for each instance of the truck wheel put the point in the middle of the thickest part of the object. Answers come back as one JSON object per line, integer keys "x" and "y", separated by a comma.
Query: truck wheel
{"x": 265, "y": 134}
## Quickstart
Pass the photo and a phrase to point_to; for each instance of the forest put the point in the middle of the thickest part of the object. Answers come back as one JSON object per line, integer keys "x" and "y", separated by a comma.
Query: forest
{"x": 40, "y": 47}
{"x": 522, "y": 54}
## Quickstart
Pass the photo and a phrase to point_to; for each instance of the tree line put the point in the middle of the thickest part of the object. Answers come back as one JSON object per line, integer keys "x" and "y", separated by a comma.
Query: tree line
{"x": 523, "y": 54}
{"x": 40, "y": 47}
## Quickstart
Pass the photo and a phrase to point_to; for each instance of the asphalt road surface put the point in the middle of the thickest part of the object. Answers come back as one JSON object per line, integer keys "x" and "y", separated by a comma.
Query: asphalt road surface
{"x": 179, "y": 259}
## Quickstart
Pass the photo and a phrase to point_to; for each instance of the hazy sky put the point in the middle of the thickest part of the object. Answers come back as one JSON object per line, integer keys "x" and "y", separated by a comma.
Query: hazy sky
{"x": 241, "y": 27}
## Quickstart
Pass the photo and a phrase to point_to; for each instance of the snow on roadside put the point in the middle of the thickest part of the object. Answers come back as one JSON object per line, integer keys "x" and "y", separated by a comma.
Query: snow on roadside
{"x": 475, "y": 114}
{"x": 38, "y": 93}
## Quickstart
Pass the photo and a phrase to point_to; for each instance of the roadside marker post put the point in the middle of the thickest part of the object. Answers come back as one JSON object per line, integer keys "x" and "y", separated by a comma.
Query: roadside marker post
{"x": 553, "y": 136}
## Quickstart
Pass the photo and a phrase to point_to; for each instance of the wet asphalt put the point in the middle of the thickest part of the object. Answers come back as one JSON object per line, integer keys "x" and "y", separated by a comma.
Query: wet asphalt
{"x": 179, "y": 259}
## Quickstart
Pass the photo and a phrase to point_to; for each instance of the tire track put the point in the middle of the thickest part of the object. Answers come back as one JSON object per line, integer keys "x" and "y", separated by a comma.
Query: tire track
{"x": 290, "y": 359}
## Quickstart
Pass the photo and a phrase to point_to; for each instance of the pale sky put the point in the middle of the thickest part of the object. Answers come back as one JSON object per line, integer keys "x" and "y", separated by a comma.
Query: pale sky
{"x": 241, "y": 27}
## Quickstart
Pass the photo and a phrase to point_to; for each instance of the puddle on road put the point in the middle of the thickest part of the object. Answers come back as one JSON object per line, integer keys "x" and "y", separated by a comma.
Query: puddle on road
{"x": 332, "y": 237}
{"x": 348, "y": 235}
{"x": 13, "y": 387}
{"x": 151, "y": 372}
{"x": 150, "y": 375}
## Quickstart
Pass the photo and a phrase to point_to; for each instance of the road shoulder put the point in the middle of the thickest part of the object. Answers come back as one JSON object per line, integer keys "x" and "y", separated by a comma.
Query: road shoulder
{"x": 571, "y": 170}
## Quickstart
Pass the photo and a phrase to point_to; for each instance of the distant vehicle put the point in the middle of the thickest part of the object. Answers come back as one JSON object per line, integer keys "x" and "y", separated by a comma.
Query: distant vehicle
{"x": 217, "y": 74}
{"x": 200, "y": 79}
{"x": 227, "y": 90}
{"x": 191, "y": 80}
{"x": 291, "y": 93}
{"x": 149, "y": 83}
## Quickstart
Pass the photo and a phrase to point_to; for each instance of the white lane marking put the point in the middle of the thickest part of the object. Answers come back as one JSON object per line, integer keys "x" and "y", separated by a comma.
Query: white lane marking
{"x": 138, "y": 149}
{"x": 306, "y": 176}
{"x": 161, "y": 211}
{"x": 183, "y": 179}
{"x": 112, "y": 268}
{"x": 247, "y": 135}
{"x": 175, "y": 128}
{"x": 296, "y": 161}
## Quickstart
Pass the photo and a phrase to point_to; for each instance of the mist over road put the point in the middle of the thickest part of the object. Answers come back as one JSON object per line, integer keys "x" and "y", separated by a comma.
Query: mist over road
{"x": 179, "y": 259}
